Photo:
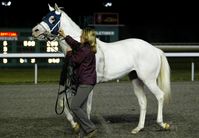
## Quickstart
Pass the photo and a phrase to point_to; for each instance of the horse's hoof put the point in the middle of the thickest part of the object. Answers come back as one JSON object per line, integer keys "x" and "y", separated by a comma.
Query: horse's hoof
{"x": 166, "y": 126}
{"x": 76, "y": 128}
{"x": 136, "y": 130}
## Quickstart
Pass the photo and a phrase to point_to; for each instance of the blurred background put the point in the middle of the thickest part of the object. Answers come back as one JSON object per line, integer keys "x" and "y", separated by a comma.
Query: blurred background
{"x": 162, "y": 23}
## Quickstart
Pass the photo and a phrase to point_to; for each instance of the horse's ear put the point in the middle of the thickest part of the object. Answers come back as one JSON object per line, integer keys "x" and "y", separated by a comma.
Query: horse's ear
{"x": 50, "y": 8}
{"x": 56, "y": 7}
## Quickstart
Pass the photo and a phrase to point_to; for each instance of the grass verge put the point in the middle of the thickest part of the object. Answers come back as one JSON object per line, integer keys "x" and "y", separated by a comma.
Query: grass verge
{"x": 51, "y": 75}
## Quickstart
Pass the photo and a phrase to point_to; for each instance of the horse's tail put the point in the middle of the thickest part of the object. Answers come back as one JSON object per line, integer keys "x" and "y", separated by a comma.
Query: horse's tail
{"x": 164, "y": 78}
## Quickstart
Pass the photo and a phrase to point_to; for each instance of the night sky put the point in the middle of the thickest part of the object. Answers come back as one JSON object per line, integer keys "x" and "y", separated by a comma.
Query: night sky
{"x": 162, "y": 21}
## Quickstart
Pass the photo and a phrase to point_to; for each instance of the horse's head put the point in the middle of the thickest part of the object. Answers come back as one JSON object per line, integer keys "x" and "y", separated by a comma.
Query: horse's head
{"x": 49, "y": 25}
{"x": 56, "y": 19}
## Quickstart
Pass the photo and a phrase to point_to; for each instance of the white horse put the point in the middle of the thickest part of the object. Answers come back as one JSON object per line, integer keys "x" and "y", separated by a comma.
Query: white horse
{"x": 146, "y": 64}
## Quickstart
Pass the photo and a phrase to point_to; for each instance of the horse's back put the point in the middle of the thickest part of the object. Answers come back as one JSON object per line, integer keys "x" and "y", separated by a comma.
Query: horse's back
{"x": 123, "y": 56}
{"x": 132, "y": 46}
{"x": 133, "y": 43}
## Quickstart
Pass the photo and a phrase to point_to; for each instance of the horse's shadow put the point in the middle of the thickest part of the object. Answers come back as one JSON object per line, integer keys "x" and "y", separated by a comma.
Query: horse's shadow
{"x": 124, "y": 118}
{"x": 131, "y": 120}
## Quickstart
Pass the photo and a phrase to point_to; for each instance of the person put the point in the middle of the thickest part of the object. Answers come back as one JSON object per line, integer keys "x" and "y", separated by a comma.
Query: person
{"x": 85, "y": 69}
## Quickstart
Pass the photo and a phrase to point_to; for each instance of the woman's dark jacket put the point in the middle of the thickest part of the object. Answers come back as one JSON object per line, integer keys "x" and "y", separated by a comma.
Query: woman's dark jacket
{"x": 84, "y": 60}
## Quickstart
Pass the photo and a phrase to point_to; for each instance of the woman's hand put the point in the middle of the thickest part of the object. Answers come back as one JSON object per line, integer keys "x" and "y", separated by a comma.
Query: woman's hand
{"x": 61, "y": 33}
{"x": 68, "y": 49}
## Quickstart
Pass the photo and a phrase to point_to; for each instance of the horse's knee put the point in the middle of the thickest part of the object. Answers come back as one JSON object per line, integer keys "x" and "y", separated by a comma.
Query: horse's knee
{"x": 160, "y": 97}
{"x": 154, "y": 88}
{"x": 143, "y": 103}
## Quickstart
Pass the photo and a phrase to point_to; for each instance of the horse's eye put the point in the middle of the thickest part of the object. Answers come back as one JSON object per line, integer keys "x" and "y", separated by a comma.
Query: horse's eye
{"x": 52, "y": 19}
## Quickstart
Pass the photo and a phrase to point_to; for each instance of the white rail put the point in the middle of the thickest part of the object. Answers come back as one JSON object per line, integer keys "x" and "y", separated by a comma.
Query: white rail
{"x": 48, "y": 55}
{"x": 60, "y": 55}
{"x": 178, "y": 48}
{"x": 31, "y": 55}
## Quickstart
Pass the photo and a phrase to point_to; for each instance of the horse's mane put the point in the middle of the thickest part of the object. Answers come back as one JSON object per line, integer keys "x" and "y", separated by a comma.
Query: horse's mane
{"x": 72, "y": 23}
{"x": 76, "y": 27}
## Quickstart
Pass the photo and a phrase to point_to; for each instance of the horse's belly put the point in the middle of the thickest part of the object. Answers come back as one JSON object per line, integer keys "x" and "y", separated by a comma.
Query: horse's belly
{"x": 117, "y": 67}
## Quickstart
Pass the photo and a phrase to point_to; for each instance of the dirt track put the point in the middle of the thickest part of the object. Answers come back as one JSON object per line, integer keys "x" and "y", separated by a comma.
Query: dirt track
{"x": 28, "y": 111}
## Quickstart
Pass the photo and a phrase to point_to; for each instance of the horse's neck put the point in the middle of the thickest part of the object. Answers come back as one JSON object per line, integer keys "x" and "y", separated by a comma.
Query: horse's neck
{"x": 63, "y": 46}
{"x": 70, "y": 27}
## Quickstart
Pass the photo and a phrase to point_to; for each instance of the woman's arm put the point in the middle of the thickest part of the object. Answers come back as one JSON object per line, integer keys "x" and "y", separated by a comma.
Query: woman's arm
{"x": 72, "y": 42}
{"x": 78, "y": 56}
{"x": 69, "y": 40}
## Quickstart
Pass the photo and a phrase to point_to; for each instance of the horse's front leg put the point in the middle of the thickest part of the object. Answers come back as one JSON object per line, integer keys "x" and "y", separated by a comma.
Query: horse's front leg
{"x": 74, "y": 125}
{"x": 89, "y": 104}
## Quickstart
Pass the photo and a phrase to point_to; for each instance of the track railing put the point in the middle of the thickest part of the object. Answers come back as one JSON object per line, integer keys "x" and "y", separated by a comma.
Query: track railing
{"x": 61, "y": 55}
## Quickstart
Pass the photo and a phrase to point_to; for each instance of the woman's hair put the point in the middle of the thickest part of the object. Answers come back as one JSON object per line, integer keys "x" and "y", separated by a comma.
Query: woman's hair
{"x": 89, "y": 36}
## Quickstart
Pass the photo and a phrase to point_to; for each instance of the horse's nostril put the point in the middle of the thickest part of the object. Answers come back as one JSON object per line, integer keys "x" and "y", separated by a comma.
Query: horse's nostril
{"x": 36, "y": 30}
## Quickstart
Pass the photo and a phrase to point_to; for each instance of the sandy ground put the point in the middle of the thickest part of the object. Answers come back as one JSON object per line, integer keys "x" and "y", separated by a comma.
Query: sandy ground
{"x": 28, "y": 111}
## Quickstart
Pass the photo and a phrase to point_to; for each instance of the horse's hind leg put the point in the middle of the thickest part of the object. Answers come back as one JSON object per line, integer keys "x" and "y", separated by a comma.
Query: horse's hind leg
{"x": 139, "y": 92}
{"x": 159, "y": 94}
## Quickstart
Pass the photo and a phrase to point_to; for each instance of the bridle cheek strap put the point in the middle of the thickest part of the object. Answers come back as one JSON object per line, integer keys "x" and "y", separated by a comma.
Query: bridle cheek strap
{"x": 58, "y": 23}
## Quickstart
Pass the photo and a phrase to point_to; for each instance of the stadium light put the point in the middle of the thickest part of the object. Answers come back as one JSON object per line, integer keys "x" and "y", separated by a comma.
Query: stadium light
{"x": 107, "y": 3}
{"x": 6, "y": 4}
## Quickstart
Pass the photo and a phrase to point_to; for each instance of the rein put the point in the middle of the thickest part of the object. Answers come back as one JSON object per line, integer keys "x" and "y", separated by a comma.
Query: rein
{"x": 46, "y": 37}
{"x": 56, "y": 103}
{"x": 50, "y": 35}
{"x": 65, "y": 91}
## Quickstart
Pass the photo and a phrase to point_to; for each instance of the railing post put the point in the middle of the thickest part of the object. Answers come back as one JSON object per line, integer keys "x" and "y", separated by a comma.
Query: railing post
{"x": 192, "y": 71}
{"x": 36, "y": 73}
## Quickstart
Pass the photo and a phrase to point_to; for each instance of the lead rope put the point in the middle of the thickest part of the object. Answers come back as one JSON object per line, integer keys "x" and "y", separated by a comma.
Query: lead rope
{"x": 56, "y": 38}
{"x": 66, "y": 91}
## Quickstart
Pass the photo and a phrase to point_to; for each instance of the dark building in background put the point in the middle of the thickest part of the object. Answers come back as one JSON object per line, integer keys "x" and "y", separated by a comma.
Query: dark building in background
{"x": 160, "y": 22}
